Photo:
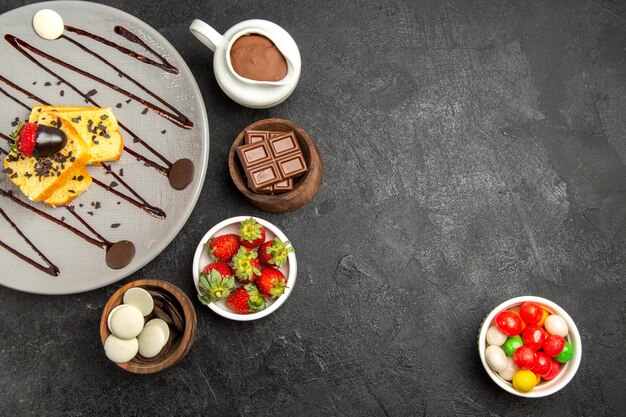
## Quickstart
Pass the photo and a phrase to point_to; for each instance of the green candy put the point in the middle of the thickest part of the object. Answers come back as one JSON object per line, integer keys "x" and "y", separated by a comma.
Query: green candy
{"x": 566, "y": 353}
{"x": 511, "y": 344}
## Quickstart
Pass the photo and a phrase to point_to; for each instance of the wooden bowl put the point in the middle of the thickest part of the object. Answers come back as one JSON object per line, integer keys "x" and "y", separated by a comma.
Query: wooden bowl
{"x": 304, "y": 187}
{"x": 177, "y": 346}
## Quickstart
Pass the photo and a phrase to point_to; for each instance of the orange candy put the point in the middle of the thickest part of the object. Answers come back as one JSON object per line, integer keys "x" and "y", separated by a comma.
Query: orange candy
{"x": 543, "y": 319}
{"x": 516, "y": 312}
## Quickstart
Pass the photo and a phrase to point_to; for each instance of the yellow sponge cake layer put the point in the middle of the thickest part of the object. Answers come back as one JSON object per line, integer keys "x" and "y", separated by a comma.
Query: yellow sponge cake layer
{"x": 72, "y": 189}
{"x": 98, "y": 127}
{"x": 39, "y": 178}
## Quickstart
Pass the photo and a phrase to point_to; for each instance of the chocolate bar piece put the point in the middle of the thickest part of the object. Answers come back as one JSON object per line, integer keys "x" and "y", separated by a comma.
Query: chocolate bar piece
{"x": 254, "y": 136}
{"x": 272, "y": 161}
{"x": 279, "y": 187}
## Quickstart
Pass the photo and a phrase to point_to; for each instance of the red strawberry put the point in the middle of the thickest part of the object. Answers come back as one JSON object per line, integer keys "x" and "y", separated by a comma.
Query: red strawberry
{"x": 224, "y": 247}
{"x": 213, "y": 284}
{"x": 252, "y": 234}
{"x": 246, "y": 300}
{"x": 274, "y": 253}
{"x": 25, "y": 138}
{"x": 246, "y": 265}
{"x": 271, "y": 282}
{"x": 221, "y": 267}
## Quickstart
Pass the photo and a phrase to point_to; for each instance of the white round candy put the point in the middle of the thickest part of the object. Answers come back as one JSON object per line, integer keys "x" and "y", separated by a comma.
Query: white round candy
{"x": 126, "y": 321}
{"x": 496, "y": 358}
{"x": 151, "y": 341}
{"x": 120, "y": 350}
{"x": 555, "y": 325}
{"x": 162, "y": 324}
{"x": 48, "y": 24}
{"x": 495, "y": 337}
{"x": 139, "y": 298}
{"x": 509, "y": 371}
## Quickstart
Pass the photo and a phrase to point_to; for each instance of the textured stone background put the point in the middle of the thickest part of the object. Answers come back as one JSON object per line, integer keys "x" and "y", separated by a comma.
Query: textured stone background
{"x": 474, "y": 151}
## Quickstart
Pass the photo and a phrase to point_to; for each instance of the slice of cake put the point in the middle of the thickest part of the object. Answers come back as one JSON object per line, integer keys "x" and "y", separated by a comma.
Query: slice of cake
{"x": 72, "y": 189}
{"x": 40, "y": 177}
{"x": 98, "y": 126}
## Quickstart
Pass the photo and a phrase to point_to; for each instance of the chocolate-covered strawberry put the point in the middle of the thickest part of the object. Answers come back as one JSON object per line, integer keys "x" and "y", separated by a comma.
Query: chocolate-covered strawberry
{"x": 39, "y": 141}
{"x": 274, "y": 252}
{"x": 251, "y": 233}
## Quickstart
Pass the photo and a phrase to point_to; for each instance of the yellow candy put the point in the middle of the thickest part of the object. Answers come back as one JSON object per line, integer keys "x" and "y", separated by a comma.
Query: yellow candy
{"x": 524, "y": 380}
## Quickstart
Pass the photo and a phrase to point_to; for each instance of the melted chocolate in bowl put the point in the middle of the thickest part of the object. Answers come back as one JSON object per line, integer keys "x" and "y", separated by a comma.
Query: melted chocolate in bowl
{"x": 257, "y": 58}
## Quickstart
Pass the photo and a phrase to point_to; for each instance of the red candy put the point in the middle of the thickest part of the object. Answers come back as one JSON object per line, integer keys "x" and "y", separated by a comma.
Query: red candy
{"x": 553, "y": 345}
{"x": 524, "y": 357}
{"x": 543, "y": 365}
{"x": 533, "y": 337}
{"x": 509, "y": 323}
{"x": 531, "y": 313}
{"x": 554, "y": 370}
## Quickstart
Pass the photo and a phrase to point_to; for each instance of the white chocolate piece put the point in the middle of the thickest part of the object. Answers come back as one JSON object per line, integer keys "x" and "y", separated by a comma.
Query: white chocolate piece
{"x": 495, "y": 337}
{"x": 555, "y": 325}
{"x": 496, "y": 358}
{"x": 162, "y": 324}
{"x": 120, "y": 350}
{"x": 111, "y": 315}
{"x": 139, "y": 298}
{"x": 509, "y": 371}
{"x": 126, "y": 321}
{"x": 151, "y": 341}
{"x": 48, "y": 24}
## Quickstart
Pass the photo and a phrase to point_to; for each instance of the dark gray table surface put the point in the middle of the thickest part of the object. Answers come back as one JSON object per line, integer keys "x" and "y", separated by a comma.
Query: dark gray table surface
{"x": 474, "y": 151}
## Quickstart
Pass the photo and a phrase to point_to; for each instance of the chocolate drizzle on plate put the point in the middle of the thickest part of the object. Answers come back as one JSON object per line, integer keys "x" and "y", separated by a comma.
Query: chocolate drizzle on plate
{"x": 22, "y": 47}
{"x": 50, "y": 269}
{"x": 128, "y": 35}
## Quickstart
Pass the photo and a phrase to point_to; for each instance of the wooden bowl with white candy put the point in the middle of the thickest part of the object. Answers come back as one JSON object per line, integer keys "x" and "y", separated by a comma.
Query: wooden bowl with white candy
{"x": 147, "y": 325}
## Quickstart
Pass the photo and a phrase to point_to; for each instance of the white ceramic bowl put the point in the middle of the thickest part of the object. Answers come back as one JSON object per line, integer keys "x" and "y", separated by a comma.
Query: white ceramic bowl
{"x": 567, "y": 371}
{"x": 202, "y": 258}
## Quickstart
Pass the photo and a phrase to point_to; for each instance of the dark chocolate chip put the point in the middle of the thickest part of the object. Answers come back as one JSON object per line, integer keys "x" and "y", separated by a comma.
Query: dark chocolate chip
{"x": 48, "y": 84}
{"x": 115, "y": 225}
{"x": 145, "y": 111}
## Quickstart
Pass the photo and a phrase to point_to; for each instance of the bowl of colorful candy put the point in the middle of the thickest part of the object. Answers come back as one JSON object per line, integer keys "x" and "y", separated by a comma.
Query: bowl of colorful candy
{"x": 530, "y": 346}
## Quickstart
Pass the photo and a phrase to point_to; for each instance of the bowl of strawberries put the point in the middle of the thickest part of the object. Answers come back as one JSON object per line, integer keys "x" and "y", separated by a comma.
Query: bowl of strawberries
{"x": 244, "y": 268}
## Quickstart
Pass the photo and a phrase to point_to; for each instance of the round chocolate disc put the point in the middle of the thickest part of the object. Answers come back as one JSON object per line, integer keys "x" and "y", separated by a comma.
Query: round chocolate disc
{"x": 181, "y": 174}
{"x": 120, "y": 254}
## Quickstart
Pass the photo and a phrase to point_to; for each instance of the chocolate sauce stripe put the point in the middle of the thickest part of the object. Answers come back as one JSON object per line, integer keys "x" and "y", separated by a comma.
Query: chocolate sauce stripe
{"x": 146, "y": 161}
{"x": 53, "y": 219}
{"x": 21, "y": 46}
{"x": 27, "y": 93}
{"x": 51, "y": 268}
{"x": 122, "y": 74}
{"x": 108, "y": 243}
{"x": 131, "y": 37}
{"x": 139, "y": 203}
{"x": 15, "y": 99}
